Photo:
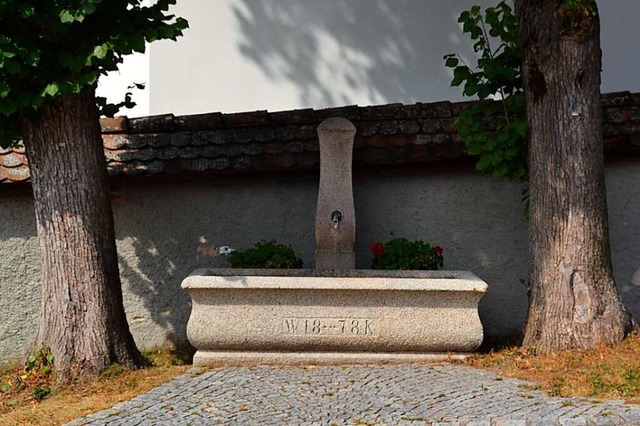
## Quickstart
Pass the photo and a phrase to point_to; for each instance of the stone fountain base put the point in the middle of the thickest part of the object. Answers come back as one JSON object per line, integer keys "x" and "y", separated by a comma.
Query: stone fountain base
{"x": 309, "y": 316}
{"x": 244, "y": 358}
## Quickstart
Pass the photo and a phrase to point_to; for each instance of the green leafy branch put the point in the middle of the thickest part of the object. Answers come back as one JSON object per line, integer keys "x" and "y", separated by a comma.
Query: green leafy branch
{"x": 494, "y": 131}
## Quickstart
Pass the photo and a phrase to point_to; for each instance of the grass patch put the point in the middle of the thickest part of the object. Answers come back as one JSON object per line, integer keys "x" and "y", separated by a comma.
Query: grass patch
{"x": 39, "y": 403}
{"x": 607, "y": 372}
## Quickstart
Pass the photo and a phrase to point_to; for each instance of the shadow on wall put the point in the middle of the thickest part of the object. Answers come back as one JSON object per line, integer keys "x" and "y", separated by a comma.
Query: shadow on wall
{"x": 167, "y": 231}
{"x": 623, "y": 199}
{"x": 336, "y": 51}
{"x": 19, "y": 272}
{"x": 477, "y": 220}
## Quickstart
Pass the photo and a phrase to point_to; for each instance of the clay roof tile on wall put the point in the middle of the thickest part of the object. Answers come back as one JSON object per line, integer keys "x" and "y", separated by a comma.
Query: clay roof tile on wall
{"x": 262, "y": 141}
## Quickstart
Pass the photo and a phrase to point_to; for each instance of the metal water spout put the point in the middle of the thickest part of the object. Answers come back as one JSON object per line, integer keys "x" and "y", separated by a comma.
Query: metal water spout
{"x": 336, "y": 217}
{"x": 335, "y": 213}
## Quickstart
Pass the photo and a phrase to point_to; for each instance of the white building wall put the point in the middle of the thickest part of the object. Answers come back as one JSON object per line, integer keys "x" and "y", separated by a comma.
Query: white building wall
{"x": 134, "y": 69}
{"x": 244, "y": 55}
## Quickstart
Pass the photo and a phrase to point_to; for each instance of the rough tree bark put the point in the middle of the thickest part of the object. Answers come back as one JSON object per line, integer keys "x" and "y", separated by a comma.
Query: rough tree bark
{"x": 573, "y": 302}
{"x": 82, "y": 314}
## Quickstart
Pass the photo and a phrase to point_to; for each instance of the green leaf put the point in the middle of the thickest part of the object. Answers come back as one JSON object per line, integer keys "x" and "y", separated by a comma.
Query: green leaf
{"x": 451, "y": 62}
{"x": 88, "y": 8}
{"x": 52, "y": 89}
{"x": 7, "y": 109}
{"x": 520, "y": 127}
{"x": 26, "y": 11}
{"x": 483, "y": 163}
{"x": 101, "y": 51}
{"x": 4, "y": 89}
{"x": 470, "y": 89}
{"x": 13, "y": 67}
{"x": 137, "y": 43}
{"x": 71, "y": 61}
{"x": 66, "y": 17}
{"x": 168, "y": 33}
{"x": 501, "y": 170}
{"x": 32, "y": 58}
{"x": 460, "y": 74}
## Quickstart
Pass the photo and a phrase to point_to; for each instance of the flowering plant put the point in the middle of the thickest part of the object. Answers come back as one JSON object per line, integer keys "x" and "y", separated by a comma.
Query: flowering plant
{"x": 404, "y": 254}
{"x": 265, "y": 254}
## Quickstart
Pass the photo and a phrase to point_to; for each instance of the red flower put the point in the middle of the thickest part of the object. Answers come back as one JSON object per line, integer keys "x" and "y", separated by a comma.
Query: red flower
{"x": 377, "y": 249}
{"x": 437, "y": 250}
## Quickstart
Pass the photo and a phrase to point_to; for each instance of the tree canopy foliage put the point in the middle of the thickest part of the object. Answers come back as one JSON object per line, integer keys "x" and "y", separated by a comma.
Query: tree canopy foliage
{"x": 53, "y": 48}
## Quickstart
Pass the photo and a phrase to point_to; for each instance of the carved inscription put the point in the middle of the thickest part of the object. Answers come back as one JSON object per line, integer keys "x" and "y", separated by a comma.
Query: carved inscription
{"x": 328, "y": 326}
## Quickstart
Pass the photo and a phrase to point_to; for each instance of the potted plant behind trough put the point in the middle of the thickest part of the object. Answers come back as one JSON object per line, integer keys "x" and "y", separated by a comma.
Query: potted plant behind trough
{"x": 333, "y": 313}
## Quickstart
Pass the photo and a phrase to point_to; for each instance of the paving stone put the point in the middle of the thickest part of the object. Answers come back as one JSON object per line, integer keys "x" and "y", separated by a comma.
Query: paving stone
{"x": 378, "y": 395}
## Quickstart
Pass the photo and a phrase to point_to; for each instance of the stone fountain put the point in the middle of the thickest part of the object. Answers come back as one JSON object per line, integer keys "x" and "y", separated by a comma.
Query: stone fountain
{"x": 333, "y": 313}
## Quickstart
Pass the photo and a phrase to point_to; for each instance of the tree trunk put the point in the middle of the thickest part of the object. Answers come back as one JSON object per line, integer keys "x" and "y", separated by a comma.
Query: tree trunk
{"x": 573, "y": 302}
{"x": 82, "y": 314}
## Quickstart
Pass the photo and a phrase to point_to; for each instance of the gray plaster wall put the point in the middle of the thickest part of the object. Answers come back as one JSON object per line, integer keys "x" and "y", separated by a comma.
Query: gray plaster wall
{"x": 19, "y": 272}
{"x": 165, "y": 231}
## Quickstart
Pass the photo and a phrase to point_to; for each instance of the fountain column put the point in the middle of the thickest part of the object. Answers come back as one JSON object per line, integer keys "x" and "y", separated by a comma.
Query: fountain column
{"x": 335, "y": 213}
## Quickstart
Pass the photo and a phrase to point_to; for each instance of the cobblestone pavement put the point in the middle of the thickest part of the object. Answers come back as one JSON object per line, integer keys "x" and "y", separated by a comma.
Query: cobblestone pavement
{"x": 357, "y": 395}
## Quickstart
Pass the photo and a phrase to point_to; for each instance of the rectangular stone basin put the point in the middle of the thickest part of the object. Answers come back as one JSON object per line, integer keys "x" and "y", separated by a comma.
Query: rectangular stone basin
{"x": 289, "y": 313}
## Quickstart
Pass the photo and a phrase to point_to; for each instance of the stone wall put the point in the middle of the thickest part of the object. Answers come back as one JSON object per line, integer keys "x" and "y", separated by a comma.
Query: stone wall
{"x": 193, "y": 146}
{"x": 170, "y": 216}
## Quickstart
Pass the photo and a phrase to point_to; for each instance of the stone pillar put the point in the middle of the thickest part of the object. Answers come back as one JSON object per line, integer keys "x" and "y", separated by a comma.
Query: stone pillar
{"x": 334, "y": 244}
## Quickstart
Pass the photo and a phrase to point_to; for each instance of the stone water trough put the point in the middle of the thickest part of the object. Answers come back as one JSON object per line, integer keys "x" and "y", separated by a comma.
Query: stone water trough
{"x": 308, "y": 315}
{"x": 333, "y": 313}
